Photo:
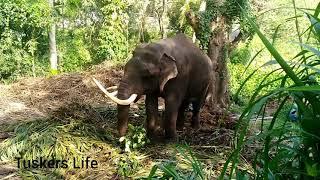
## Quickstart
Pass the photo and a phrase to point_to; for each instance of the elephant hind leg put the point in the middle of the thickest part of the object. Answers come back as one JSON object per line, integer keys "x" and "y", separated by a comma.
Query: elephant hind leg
{"x": 197, "y": 105}
{"x": 195, "y": 122}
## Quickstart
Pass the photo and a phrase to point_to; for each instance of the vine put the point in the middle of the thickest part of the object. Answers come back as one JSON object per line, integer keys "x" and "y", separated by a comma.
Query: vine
{"x": 205, "y": 19}
{"x": 230, "y": 9}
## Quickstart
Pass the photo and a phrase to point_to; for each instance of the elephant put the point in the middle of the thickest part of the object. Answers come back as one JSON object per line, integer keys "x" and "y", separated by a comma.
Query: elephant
{"x": 174, "y": 69}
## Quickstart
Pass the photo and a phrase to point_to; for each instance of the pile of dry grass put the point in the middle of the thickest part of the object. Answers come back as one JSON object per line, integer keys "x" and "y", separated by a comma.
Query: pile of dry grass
{"x": 32, "y": 98}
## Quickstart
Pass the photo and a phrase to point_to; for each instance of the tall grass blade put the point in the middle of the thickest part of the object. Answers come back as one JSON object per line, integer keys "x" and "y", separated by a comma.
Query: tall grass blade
{"x": 268, "y": 139}
{"x": 274, "y": 52}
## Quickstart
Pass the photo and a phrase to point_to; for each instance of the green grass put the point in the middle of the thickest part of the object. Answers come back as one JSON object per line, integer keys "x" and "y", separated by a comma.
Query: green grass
{"x": 67, "y": 139}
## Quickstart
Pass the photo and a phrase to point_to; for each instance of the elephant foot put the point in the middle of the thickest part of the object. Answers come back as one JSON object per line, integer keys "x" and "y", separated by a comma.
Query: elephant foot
{"x": 170, "y": 140}
{"x": 180, "y": 127}
{"x": 155, "y": 134}
{"x": 195, "y": 125}
{"x": 122, "y": 132}
{"x": 157, "y": 139}
{"x": 171, "y": 136}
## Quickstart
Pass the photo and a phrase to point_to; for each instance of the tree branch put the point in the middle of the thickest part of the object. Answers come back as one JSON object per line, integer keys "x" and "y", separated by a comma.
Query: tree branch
{"x": 193, "y": 20}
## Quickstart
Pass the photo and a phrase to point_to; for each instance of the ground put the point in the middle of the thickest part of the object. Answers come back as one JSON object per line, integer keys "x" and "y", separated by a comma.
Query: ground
{"x": 69, "y": 109}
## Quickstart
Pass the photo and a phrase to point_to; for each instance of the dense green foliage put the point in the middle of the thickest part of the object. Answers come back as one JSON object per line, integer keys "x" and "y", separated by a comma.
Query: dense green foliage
{"x": 88, "y": 32}
{"x": 22, "y": 34}
{"x": 74, "y": 53}
{"x": 177, "y": 19}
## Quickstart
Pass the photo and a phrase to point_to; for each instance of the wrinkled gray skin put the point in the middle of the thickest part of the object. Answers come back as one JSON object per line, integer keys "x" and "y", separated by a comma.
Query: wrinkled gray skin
{"x": 174, "y": 69}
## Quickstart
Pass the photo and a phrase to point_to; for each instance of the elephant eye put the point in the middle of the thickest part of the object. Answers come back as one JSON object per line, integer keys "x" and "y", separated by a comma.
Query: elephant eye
{"x": 146, "y": 76}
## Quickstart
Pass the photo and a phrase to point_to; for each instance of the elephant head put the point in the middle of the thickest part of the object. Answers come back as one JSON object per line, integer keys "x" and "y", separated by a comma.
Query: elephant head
{"x": 147, "y": 72}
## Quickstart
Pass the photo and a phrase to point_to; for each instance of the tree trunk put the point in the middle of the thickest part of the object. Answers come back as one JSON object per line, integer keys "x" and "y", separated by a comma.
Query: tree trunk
{"x": 161, "y": 14}
{"x": 160, "y": 22}
{"x": 52, "y": 44}
{"x": 164, "y": 14}
{"x": 217, "y": 52}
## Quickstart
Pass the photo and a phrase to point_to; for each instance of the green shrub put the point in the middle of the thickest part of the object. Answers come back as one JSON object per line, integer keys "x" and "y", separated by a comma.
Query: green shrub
{"x": 111, "y": 42}
{"x": 127, "y": 164}
{"x": 74, "y": 52}
{"x": 242, "y": 89}
{"x": 22, "y": 29}
{"x": 240, "y": 55}
{"x": 136, "y": 138}
{"x": 13, "y": 60}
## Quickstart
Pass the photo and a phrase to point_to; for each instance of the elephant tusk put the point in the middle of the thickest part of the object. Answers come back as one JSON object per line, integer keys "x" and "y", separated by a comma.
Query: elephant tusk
{"x": 112, "y": 88}
{"x": 112, "y": 95}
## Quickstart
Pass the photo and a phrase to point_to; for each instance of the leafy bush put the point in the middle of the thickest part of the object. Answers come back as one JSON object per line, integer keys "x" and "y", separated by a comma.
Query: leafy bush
{"x": 13, "y": 61}
{"x": 244, "y": 80}
{"x": 136, "y": 138}
{"x": 74, "y": 52}
{"x": 111, "y": 39}
{"x": 22, "y": 28}
{"x": 111, "y": 44}
{"x": 240, "y": 55}
{"x": 127, "y": 164}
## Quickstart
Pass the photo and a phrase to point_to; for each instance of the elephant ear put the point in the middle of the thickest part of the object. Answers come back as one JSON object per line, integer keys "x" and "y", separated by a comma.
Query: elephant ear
{"x": 139, "y": 48}
{"x": 168, "y": 70}
{"x": 158, "y": 62}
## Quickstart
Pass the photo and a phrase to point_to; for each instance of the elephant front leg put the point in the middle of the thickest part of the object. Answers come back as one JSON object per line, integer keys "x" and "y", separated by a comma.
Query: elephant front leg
{"x": 152, "y": 114}
{"x": 170, "y": 117}
{"x": 181, "y": 116}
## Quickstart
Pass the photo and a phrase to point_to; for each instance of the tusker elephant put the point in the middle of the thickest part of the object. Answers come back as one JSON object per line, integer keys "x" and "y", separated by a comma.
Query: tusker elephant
{"x": 174, "y": 69}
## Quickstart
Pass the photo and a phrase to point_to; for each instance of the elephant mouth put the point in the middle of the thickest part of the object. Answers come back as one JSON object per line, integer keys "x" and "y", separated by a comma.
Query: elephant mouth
{"x": 112, "y": 95}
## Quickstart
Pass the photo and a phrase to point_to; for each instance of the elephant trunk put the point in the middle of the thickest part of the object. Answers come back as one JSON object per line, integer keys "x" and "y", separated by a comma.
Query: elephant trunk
{"x": 123, "y": 97}
{"x": 123, "y": 116}
{"x": 123, "y": 110}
